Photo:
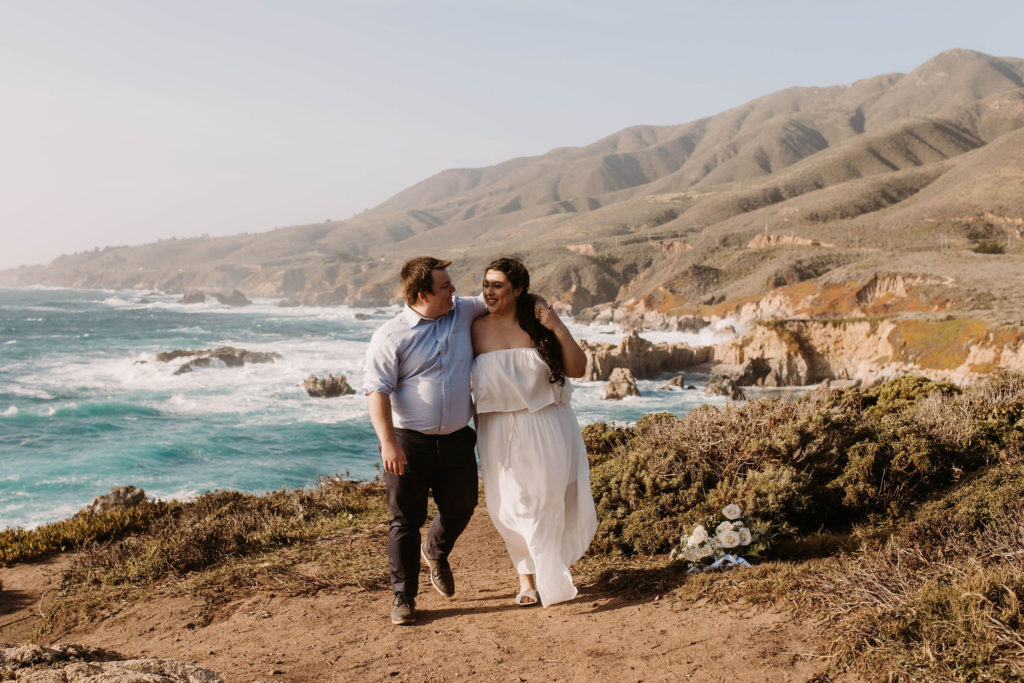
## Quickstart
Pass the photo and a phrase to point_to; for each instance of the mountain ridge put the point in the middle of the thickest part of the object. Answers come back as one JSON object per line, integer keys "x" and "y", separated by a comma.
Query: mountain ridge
{"x": 620, "y": 220}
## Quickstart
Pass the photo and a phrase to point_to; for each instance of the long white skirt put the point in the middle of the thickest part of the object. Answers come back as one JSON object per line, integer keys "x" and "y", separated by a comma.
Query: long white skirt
{"x": 537, "y": 485}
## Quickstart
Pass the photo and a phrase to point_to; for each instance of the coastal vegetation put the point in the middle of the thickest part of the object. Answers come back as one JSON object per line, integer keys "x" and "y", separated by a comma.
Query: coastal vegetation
{"x": 900, "y": 512}
{"x": 896, "y": 513}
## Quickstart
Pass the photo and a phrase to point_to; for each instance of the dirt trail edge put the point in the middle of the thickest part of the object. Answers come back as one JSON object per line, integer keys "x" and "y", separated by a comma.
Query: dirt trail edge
{"x": 480, "y": 635}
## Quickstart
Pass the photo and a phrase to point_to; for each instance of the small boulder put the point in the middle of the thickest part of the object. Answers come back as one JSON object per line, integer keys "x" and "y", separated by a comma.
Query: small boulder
{"x": 620, "y": 384}
{"x": 329, "y": 387}
{"x": 119, "y": 497}
{"x": 193, "y": 298}
{"x": 723, "y": 385}
{"x": 70, "y": 662}
{"x": 228, "y": 355}
{"x": 233, "y": 298}
{"x": 677, "y": 382}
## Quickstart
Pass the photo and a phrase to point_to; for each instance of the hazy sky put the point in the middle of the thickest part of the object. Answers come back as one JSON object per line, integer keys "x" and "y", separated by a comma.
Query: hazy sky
{"x": 126, "y": 121}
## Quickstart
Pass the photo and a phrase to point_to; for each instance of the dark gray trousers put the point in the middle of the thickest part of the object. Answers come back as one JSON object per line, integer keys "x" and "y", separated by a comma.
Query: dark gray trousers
{"x": 446, "y": 466}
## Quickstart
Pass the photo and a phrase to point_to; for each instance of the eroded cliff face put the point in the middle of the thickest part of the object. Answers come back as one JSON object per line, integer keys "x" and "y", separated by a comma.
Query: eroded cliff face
{"x": 643, "y": 358}
{"x": 881, "y": 294}
{"x": 800, "y": 352}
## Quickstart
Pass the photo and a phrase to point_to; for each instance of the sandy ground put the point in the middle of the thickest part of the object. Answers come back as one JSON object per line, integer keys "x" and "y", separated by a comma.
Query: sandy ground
{"x": 479, "y": 635}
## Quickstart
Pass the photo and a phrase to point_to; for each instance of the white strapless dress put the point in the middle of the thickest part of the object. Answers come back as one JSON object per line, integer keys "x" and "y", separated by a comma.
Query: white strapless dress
{"x": 534, "y": 467}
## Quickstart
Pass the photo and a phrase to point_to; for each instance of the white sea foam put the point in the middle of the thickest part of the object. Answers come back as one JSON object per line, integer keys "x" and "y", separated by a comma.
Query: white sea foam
{"x": 29, "y": 392}
{"x": 722, "y": 330}
{"x": 181, "y": 495}
{"x": 11, "y": 341}
{"x": 11, "y": 410}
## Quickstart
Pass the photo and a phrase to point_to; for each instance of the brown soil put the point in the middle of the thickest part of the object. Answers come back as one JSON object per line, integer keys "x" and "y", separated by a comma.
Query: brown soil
{"x": 346, "y": 635}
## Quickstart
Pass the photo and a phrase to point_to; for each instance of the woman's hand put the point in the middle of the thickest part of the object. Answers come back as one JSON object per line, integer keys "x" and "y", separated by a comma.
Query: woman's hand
{"x": 546, "y": 315}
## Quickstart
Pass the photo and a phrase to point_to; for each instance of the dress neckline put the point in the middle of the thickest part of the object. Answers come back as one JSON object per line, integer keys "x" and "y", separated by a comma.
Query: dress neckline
{"x": 514, "y": 348}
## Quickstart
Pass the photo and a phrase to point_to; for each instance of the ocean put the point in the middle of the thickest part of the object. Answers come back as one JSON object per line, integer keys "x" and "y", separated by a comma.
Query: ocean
{"x": 85, "y": 405}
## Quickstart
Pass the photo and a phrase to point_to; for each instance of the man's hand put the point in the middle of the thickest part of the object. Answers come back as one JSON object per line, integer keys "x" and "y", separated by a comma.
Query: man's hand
{"x": 393, "y": 456}
{"x": 390, "y": 449}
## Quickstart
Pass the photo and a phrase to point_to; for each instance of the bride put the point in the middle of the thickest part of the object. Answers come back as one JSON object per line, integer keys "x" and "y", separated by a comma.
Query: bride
{"x": 532, "y": 457}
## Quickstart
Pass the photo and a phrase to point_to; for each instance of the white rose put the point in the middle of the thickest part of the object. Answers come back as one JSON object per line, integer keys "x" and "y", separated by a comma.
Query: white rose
{"x": 703, "y": 551}
{"x": 729, "y": 539}
{"x": 732, "y": 511}
{"x": 745, "y": 536}
{"x": 723, "y": 527}
{"x": 699, "y": 535}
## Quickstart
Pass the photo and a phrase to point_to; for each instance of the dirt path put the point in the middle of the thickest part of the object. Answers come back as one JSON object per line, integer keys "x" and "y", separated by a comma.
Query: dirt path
{"x": 346, "y": 635}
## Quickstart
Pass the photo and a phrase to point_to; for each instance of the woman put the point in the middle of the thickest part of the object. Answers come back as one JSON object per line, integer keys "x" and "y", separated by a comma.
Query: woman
{"x": 532, "y": 457}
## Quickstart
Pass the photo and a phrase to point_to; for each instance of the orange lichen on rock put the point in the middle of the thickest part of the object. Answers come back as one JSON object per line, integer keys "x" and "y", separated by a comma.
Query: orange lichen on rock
{"x": 942, "y": 345}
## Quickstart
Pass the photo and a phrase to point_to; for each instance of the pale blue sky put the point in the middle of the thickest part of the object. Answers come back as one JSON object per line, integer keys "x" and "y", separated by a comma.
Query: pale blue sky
{"x": 127, "y": 121}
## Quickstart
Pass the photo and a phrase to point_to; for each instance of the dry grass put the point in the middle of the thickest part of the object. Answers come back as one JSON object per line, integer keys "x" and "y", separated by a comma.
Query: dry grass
{"x": 910, "y": 562}
{"x": 911, "y": 568}
{"x": 226, "y": 544}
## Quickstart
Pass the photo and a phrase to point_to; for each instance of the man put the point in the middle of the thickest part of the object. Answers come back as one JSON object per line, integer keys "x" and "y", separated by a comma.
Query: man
{"x": 417, "y": 387}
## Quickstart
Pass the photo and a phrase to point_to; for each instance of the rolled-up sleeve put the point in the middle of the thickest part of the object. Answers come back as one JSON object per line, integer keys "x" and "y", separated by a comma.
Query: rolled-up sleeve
{"x": 381, "y": 372}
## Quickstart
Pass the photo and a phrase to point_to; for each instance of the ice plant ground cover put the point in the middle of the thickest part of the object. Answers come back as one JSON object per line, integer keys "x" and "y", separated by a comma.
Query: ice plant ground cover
{"x": 732, "y": 540}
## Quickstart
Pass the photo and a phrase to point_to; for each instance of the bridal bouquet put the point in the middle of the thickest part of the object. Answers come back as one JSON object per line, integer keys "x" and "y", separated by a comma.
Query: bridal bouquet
{"x": 730, "y": 538}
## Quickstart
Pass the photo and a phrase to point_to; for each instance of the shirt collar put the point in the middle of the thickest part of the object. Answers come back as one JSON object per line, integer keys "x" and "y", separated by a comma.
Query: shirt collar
{"x": 412, "y": 318}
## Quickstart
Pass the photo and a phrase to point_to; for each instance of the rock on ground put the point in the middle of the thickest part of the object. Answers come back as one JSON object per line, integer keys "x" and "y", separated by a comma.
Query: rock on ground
{"x": 64, "y": 663}
{"x": 118, "y": 497}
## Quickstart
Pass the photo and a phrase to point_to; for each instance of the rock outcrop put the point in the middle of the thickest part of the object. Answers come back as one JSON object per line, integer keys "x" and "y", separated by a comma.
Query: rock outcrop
{"x": 620, "y": 385}
{"x": 677, "y": 382}
{"x": 802, "y": 352}
{"x": 233, "y": 298}
{"x": 63, "y": 663}
{"x": 118, "y": 497}
{"x": 228, "y": 355}
{"x": 645, "y": 359}
{"x": 723, "y": 385}
{"x": 328, "y": 387}
{"x": 193, "y": 298}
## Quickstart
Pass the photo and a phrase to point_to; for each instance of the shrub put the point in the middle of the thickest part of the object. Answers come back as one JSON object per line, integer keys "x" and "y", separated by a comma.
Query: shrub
{"x": 989, "y": 247}
{"x": 20, "y": 545}
{"x": 825, "y": 462}
{"x": 990, "y": 499}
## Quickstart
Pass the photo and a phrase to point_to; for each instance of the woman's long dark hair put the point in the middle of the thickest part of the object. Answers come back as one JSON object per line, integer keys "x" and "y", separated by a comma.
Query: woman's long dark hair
{"x": 545, "y": 340}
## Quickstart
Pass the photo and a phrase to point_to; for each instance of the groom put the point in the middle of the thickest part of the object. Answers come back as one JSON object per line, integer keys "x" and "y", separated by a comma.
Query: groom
{"x": 417, "y": 388}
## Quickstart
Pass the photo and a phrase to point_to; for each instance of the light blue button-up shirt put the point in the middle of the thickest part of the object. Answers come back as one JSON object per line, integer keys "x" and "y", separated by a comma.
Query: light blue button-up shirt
{"x": 424, "y": 365}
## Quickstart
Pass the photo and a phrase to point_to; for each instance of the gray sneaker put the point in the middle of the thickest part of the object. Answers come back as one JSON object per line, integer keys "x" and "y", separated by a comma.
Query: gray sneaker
{"x": 441, "y": 576}
{"x": 403, "y": 610}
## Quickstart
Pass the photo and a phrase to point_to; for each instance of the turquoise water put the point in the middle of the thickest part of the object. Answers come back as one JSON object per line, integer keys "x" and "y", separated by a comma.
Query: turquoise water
{"x": 84, "y": 405}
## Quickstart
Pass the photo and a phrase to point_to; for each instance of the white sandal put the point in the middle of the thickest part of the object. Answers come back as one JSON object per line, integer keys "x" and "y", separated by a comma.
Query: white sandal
{"x": 529, "y": 593}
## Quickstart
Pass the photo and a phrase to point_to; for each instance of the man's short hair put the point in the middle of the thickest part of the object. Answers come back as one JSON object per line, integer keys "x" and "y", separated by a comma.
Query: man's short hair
{"x": 418, "y": 276}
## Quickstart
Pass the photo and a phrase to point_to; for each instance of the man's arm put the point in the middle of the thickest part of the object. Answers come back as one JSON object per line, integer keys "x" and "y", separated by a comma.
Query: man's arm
{"x": 390, "y": 449}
